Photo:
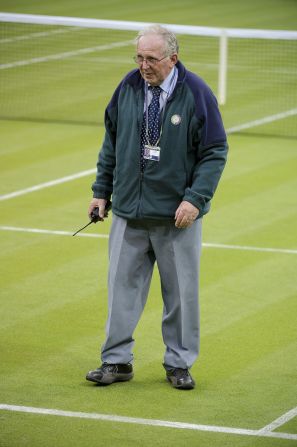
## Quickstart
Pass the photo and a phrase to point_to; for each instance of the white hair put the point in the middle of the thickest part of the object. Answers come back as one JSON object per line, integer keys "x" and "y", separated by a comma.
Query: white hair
{"x": 169, "y": 38}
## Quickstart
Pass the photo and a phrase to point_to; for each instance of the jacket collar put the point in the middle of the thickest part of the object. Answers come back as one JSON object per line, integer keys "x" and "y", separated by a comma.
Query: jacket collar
{"x": 135, "y": 79}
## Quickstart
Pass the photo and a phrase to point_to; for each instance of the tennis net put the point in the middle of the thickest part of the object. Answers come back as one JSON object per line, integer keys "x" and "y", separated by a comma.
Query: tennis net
{"x": 62, "y": 69}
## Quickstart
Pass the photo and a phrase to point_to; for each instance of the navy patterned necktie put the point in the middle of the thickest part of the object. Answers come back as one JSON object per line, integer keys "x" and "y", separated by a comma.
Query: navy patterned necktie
{"x": 153, "y": 119}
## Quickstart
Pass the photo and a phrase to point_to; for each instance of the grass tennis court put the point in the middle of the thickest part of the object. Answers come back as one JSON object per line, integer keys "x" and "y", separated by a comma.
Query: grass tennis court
{"x": 53, "y": 286}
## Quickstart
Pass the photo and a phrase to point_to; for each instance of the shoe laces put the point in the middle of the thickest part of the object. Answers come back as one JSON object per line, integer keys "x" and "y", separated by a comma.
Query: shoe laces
{"x": 108, "y": 367}
{"x": 180, "y": 373}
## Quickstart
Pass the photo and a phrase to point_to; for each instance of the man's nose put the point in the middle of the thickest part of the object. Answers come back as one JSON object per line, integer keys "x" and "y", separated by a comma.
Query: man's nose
{"x": 145, "y": 64}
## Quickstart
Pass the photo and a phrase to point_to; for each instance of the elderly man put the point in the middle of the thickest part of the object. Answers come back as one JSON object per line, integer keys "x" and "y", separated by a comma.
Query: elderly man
{"x": 161, "y": 160}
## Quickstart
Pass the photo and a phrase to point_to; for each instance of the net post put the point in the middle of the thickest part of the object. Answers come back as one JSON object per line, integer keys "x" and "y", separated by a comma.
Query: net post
{"x": 223, "y": 65}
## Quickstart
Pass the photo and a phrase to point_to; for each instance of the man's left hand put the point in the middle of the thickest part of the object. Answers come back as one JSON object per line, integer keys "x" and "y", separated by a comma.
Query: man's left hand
{"x": 185, "y": 214}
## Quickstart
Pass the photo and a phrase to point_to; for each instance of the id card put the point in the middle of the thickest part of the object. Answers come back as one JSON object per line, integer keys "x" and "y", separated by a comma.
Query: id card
{"x": 151, "y": 152}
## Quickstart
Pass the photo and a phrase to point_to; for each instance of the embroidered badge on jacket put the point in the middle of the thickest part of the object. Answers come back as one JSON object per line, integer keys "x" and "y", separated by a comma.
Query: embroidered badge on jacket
{"x": 176, "y": 119}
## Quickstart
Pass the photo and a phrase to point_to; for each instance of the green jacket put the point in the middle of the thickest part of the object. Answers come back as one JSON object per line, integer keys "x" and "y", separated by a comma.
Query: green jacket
{"x": 193, "y": 150}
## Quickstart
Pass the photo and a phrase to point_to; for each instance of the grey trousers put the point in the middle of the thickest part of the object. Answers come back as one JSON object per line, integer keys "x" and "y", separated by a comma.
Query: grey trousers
{"x": 134, "y": 246}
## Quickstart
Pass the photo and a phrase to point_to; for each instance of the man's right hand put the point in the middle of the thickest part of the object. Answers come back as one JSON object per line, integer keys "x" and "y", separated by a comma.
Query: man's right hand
{"x": 98, "y": 203}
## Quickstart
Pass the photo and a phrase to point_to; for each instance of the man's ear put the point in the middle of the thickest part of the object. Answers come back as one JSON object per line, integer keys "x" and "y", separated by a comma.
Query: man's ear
{"x": 174, "y": 58}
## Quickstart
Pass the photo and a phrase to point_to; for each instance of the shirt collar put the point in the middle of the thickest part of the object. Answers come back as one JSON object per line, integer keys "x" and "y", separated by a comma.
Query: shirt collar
{"x": 167, "y": 82}
{"x": 165, "y": 86}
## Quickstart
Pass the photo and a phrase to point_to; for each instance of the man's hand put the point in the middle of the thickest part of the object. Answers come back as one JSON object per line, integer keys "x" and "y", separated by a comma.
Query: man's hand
{"x": 98, "y": 203}
{"x": 185, "y": 214}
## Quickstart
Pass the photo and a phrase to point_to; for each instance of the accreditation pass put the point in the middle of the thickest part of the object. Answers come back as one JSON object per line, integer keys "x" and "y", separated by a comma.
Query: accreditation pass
{"x": 151, "y": 152}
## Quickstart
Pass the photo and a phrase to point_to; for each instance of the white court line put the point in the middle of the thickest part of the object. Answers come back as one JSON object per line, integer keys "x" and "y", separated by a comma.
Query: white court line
{"x": 279, "y": 421}
{"x": 37, "y": 35}
{"x": 58, "y": 56}
{"x": 53, "y": 232}
{"x": 251, "y": 248}
{"x": 150, "y": 422}
{"x": 58, "y": 181}
{"x": 264, "y": 120}
{"x": 92, "y": 171}
{"x": 98, "y": 235}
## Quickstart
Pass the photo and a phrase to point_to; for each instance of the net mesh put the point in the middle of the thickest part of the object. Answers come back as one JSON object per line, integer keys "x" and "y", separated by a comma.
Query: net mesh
{"x": 67, "y": 74}
{"x": 60, "y": 73}
{"x": 262, "y": 86}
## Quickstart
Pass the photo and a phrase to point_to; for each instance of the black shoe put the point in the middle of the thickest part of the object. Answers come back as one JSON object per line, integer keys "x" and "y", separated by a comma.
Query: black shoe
{"x": 180, "y": 378}
{"x": 109, "y": 373}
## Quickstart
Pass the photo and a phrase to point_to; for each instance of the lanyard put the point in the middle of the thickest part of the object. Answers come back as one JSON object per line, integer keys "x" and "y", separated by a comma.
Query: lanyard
{"x": 173, "y": 79}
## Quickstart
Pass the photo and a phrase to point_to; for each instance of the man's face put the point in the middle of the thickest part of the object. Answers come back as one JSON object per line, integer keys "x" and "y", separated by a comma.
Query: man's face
{"x": 152, "y": 46}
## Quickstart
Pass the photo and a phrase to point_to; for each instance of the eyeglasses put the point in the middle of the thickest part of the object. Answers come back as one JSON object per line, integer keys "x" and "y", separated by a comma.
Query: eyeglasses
{"x": 149, "y": 60}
